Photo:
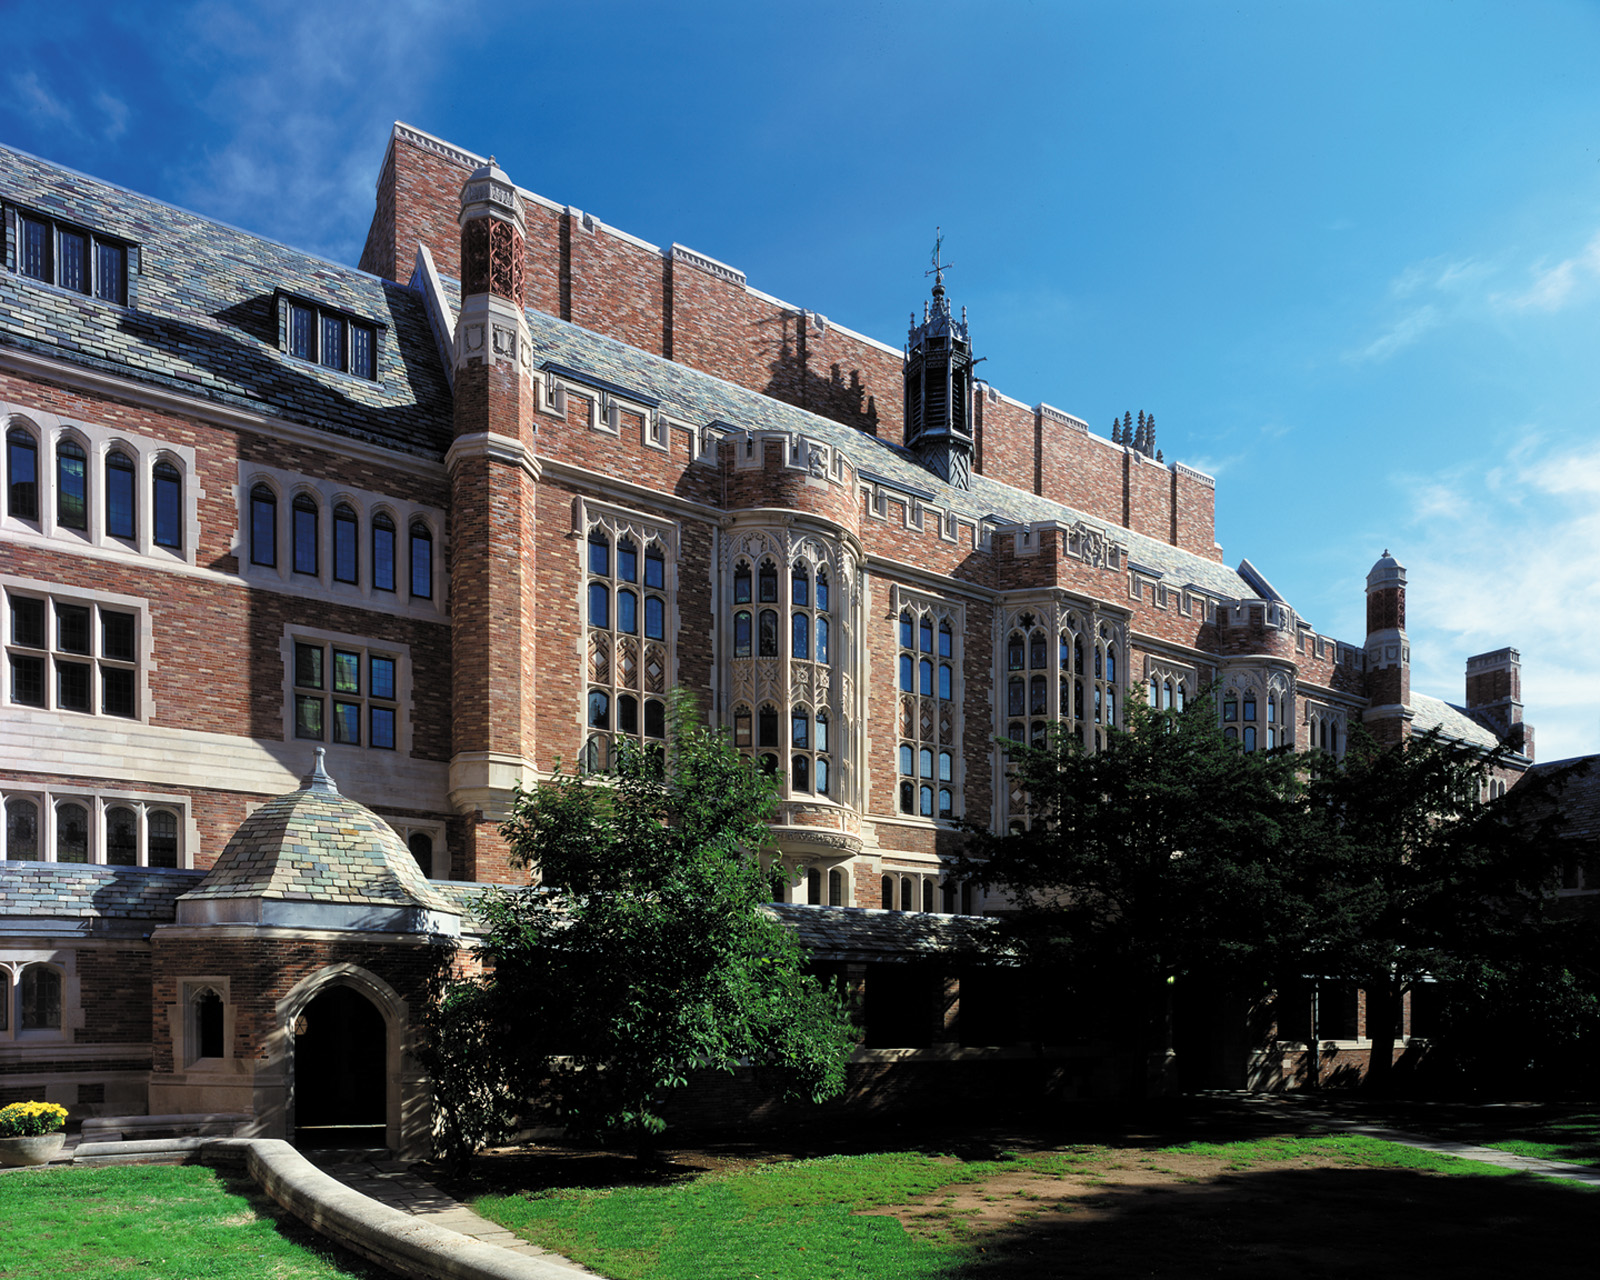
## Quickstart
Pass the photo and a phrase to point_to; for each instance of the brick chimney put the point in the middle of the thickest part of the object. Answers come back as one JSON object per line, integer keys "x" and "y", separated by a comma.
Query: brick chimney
{"x": 1494, "y": 697}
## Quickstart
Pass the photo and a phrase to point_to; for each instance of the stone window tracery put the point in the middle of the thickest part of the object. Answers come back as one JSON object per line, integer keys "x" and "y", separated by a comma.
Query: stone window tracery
{"x": 628, "y": 596}
{"x": 929, "y": 690}
{"x": 786, "y": 670}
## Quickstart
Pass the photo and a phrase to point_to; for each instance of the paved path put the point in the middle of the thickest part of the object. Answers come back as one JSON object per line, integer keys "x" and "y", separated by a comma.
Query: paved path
{"x": 1467, "y": 1151}
{"x": 391, "y": 1182}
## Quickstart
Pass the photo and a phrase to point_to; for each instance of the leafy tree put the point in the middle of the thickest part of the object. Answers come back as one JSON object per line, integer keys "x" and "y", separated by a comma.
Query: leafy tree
{"x": 1161, "y": 858}
{"x": 1414, "y": 878}
{"x": 655, "y": 955}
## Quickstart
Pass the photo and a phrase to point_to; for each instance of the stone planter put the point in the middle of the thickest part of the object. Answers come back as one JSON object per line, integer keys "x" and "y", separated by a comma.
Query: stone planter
{"x": 39, "y": 1149}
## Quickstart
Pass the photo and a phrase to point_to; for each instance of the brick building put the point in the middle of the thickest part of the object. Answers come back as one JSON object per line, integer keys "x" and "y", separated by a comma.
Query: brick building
{"x": 473, "y": 509}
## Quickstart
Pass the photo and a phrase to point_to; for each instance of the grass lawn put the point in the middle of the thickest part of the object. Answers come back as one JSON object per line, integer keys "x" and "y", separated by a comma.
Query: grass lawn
{"x": 160, "y": 1221}
{"x": 1549, "y": 1132}
{"x": 1268, "y": 1207}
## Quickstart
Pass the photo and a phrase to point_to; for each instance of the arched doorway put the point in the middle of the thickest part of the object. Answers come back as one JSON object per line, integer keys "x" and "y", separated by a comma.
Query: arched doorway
{"x": 340, "y": 1076}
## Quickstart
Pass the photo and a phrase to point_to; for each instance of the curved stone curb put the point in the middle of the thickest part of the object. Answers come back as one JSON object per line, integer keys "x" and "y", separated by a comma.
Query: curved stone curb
{"x": 392, "y": 1238}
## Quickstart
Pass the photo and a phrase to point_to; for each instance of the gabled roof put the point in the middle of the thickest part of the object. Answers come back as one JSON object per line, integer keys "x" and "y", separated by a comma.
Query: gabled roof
{"x": 203, "y": 318}
{"x": 1452, "y": 721}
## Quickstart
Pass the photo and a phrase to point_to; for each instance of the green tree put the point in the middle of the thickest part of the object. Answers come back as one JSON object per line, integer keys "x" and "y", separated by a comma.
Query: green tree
{"x": 1166, "y": 857}
{"x": 1413, "y": 877}
{"x": 653, "y": 955}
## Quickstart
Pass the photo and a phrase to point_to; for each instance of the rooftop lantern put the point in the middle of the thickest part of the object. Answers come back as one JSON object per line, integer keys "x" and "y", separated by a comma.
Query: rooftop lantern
{"x": 938, "y": 380}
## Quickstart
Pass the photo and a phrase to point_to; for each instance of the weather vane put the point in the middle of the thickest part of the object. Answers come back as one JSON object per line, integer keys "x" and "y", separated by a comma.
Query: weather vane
{"x": 939, "y": 268}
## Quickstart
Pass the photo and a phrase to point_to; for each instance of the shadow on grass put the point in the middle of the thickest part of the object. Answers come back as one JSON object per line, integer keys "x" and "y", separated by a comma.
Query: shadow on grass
{"x": 1303, "y": 1223}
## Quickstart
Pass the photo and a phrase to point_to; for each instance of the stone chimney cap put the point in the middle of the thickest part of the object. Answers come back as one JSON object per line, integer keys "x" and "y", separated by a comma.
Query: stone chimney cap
{"x": 490, "y": 185}
{"x": 1386, "y": 572}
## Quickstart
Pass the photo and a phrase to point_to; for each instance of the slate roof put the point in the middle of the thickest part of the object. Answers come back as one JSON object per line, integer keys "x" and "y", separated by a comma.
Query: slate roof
{"x": 860, "y": 933}
{"x": 1574, "y": 788}
{"x": 1453, "y": 721}
{"x": 204, "y": 316}
{"x": 702, "y": 398}
{"x": 315, "y": 845}
{"x": 59, "y": 889}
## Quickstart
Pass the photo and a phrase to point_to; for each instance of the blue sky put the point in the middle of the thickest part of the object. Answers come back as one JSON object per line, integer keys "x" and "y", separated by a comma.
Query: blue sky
{"x": 1347, "y": 253}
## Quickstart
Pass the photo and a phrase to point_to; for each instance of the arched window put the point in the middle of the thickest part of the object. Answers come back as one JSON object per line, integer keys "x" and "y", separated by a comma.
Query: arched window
{"x": 421, "y": 846}
{"x": 655, "y": 618}
{"x": 421, "y": 561}
{"x": 927, "y": 895}
{"x": 888, "y": 893}
{"x": 119, "y": 496}
{"x": 1016, "y": 649}
{"x": 346, "y": 542}
{"x": 1230, "y": 709}
{"x": 925, "y": 799}
{"x": 41, "y": 998}
{"x": 944, "y": 681}
{"x": 1155, "y": 692}
{"x": 907, "y": 680}
{"x": 767, "y": 727}
{"x": 813, "y": 887}
{"x": 1166, "y": 696}
{"x": 801, "y": 779}
{"x": 263, "y": 526}
{"x": 627, "y": 561}
{"x": 206, "y": 1014}
{"x": 383, "y": 551}
{"x": 1249, "y": 707}
{"x": 742, "y": 727}
{"x": 741, "y": 584}
{"x": 946, "y": 764}
{"x": 925, "y": 762}
{"x": 1111, "y": 662}
{"x": 925, "y": 636}
{"x": 822, "y": 775}
{"x": 166, "y": 485}
{"x": 22, "y": 475}
{"x": 1038, "y": 696}
{"x": 1016, "y": 696}
{"x": 925, "y": 678}
{"x": 800, "y": 731}
{"x": 304, "y": 527}
{"x": 907, "y": 757}
{"x": 908, "y": 798}
{"x": 946, "y": 804}
{"x": 946, "y": 641}
{"x": 599, "y": 709}
{"x": 122, "y": 837}
{"x": 627, "y": 612}
{"x": 799, "y": 588}
{"x": 1178, "y": 702}
{"x": 769, "y": 634}
{"x": 72, "y": 833}
{"x": 22, "y": 830}
{"x": 72, "y": 485}
{"x": 908, "y": 897}
{"x": 599, "y": 605}
{"x": 836, "y": 888}
{"x": 741, "y": 634}
{"x": 800, "y": 637}
{"x": 655, "y": 567}
{"x": 599, "y": 554}
{"x": 1249, "y": 737}
{"x": 768, "y": 582}
{"x": 1036, "y": 650}
{"x": 161, "y": 838}
{"x": 822, "y": 591}
{"x": 906, "y": 626}
{"x": 627, "y": 713}
{"x": 822, "y": 640}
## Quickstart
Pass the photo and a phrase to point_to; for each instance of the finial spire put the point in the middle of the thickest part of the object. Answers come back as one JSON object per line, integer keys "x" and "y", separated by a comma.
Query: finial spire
{"x": 318, "y": 779}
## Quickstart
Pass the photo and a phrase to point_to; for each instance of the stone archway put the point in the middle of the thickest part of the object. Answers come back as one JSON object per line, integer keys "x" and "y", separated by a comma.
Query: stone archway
{"x": 341, "y": 1083}
{"x": 337, "y": 1062}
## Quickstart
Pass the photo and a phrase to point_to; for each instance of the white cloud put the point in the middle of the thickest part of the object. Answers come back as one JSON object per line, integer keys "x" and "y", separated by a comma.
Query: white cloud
{"x": 1509, "y": 554}
{"x": 115, "y": 112}
{"x": 1399, "y": 335}
{"x": 37, "y": 101}
{"x": 1554, "y": 287}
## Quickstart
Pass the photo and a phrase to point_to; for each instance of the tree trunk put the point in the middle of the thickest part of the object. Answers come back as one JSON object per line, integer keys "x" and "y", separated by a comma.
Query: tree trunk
{"x": 1383, "y": 1016}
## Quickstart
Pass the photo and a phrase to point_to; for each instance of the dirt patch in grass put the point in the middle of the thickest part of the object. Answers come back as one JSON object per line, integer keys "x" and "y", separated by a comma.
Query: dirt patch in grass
{"x": 1119, "y": 1212}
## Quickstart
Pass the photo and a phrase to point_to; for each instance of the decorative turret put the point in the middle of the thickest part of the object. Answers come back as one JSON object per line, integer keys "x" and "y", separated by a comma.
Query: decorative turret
{"x": 938, "y": 378}
{"x": 491, "y": 328}
{"x": 1388, "y": 712}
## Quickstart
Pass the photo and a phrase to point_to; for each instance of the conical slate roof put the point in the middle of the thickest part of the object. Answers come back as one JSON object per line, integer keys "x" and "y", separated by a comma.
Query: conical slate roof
{"x": 319, "y": 848}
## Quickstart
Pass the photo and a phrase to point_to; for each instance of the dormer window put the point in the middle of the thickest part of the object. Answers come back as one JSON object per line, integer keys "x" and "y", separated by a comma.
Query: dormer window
{"x": 72, "y": 258}
{"x": 331, "y": 339}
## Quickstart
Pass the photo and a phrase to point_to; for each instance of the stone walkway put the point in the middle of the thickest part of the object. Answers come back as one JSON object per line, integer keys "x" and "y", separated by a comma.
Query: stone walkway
{"x": 1584, "y": 1173}
{"x": 391, "y": 1182}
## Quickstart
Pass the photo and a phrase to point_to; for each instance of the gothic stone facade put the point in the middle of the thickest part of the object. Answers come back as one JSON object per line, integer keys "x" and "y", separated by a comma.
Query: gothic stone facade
{"x": 473, "y": 509}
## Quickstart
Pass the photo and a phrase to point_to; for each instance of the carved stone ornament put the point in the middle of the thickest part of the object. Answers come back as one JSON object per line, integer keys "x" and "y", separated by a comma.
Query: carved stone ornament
{"x": 818, "y": 462}
{"x": 474, "y": 338}
{"x": 1086, "y": 543}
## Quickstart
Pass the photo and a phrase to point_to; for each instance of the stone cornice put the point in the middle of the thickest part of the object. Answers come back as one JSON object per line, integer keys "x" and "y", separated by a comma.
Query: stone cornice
{"x": 495, "y": 447}
{"x": 92, "y": 382}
